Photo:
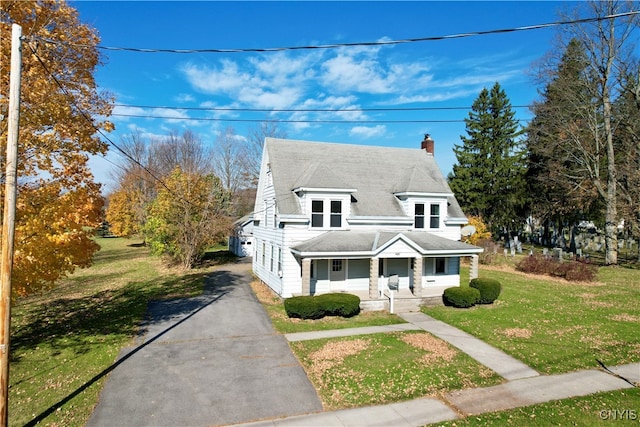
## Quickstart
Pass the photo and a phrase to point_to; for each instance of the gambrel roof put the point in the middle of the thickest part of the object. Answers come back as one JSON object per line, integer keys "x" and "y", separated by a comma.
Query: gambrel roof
{"x": 376, "y": 174}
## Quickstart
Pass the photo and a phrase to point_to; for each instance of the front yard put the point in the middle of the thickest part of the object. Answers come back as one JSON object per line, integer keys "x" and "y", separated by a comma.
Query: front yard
{"x": 552, "y": 325}
{"x": 64, "y": 342}
{"x": 556, "y": 326}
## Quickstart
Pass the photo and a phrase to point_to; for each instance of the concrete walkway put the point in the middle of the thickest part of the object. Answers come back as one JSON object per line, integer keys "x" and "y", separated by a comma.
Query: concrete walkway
{"x": 524, "y": 387}
{"x": 513, "y": 394}
{"x": 494, "y": 359}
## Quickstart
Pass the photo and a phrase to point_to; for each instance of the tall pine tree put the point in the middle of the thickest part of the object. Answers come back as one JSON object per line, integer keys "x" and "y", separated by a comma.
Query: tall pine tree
{"x": 489, "y": 176}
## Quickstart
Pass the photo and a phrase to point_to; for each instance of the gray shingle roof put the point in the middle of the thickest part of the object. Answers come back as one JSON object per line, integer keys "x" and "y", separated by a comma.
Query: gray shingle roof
{"x": 375, "y": 172}
{"x": 371, "y": 242}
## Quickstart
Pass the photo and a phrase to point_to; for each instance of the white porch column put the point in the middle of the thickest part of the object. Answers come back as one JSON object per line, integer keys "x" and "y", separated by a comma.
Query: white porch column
{"x": 373, "y": 278}
{"x": 417, "y": 276}
{"x": 306, "y": 276}
{"x": 473, "y": 268}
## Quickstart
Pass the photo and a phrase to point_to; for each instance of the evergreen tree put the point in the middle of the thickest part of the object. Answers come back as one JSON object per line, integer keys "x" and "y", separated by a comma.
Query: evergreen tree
{"x": 558, "y": 196}
{"x": 582, "y": 120}
{"x": 489, "y": 176}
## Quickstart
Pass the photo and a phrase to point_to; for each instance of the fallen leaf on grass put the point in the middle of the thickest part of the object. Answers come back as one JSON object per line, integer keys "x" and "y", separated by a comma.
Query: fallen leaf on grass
{"x": 435, "y": 348}
{"x": 517, "y": 333}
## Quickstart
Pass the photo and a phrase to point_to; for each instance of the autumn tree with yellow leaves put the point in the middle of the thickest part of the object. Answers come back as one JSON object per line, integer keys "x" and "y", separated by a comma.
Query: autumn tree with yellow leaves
{"x": 187, "y": 217}
{"x": 58, "y": 201}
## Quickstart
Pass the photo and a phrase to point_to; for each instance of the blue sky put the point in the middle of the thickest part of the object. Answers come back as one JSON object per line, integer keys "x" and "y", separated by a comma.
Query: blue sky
{"x": 435, "y": 74}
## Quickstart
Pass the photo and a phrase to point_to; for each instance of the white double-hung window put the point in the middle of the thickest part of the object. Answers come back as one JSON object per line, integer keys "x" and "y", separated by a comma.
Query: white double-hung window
{"x": 317, "y": 213}
{"x": 434, "y": 217}
{"x": 326, "y": 213}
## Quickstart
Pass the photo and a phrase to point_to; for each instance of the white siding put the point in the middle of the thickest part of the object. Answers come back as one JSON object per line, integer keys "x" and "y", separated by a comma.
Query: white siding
{"x": 451, "y": 276}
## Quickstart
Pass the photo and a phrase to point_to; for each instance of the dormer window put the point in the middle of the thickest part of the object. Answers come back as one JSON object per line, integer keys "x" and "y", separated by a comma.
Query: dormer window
{"x": 326, "y": 213}
{"x": 317, "y": 213}
{"x": 419, "y": 215}
{"x": 434, "y": 218}
{"x": 336, "y": 214}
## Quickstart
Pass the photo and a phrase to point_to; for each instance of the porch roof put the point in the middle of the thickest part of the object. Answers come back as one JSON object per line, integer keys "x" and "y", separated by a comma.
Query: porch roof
{"x": 372, "y": 243}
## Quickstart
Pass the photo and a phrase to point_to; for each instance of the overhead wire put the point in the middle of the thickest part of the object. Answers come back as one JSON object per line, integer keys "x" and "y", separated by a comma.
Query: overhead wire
{"x": 360, "y": 44}
{"x": 277, "y": 49}
{"x": 296, "y": 110}
{"x": 213, "y": 119}
{"x": 302, "y": 110}
{"x": 98, "y": 130}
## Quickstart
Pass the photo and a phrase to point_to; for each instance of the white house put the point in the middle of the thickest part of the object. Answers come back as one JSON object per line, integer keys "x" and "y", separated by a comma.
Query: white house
{"x": 241, "y": 242}
{"x": 338, "y": 217}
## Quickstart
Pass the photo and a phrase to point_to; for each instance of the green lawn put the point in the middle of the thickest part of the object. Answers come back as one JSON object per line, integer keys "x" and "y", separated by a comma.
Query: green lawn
{"x": 64, "y": 341}
{"x": 556, "y": 326}
{"x": 616, "y": 408}
{"x": 552, "y": 325}
{"x": 389, "y": 367}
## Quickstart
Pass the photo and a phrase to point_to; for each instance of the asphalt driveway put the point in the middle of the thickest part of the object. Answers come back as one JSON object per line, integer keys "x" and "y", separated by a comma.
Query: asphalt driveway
{"x": 210, "y": 360}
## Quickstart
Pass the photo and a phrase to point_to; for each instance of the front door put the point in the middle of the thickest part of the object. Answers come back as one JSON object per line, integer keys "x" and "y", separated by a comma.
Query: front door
{"x": 337, "y": 274}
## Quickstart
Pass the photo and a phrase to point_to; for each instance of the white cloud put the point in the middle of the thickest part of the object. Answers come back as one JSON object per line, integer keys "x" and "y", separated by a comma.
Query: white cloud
{"x": 343, "y": 79}
{"x": 366, "y": 132}
{"x": 184, "y": 98}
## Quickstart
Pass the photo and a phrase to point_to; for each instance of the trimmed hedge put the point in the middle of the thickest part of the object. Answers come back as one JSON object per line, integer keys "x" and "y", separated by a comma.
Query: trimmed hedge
{"x": 343, "y": 305}
{"x": 461, "y": 297}
{"x": 489, "y": 290}
{"x": 304, "y": 307}
{"x": 317, "y": 307}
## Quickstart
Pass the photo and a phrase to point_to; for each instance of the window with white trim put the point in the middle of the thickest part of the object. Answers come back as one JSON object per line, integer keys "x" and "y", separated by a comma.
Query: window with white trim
{"x": 279, "y": 260}
{"x": 272, "y": 256}
{"x": 434, "y": 217}
{"x": 336, "y": 265}
{"x": 441, "y": 265}
{"x": 419, "y": 215}
{"x": 317, "y": 213}
{"x": 336, "y": 214}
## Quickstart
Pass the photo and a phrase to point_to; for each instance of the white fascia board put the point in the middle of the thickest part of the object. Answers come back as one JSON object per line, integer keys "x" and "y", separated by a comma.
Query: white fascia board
{"x": 333, "y": 255}
{"x": 301, "y": 219}
{"x": 453, "y": 252}
{"x": 324, "y": 190}
{"x": 404, "y": 220}
{"x": 370, "y": 254}
{"x": 415, "y": 194}
{"x": 454, "y": 221}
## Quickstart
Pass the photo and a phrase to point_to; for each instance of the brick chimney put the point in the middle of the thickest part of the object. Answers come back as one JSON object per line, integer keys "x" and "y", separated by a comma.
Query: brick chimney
{"x": 428, "y": 144}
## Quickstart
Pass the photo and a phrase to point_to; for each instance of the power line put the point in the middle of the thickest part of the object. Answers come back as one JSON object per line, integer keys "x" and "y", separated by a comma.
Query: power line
{"x": 301, "y": 110}
{"x": 97, "y": 129}
{"x": 355, "y": 44}
{"x": 213, "y": 119}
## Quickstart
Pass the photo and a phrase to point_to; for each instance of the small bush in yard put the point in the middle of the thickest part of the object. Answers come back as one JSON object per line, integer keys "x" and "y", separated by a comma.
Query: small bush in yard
{"x": 317, "y": 307}
{"x": 303, "y": 307}
{"x": 489, "y": 290}
{"x": 570, "y": 270}
{"x": 338, "y": 304}
{"x": 461, "y": 297}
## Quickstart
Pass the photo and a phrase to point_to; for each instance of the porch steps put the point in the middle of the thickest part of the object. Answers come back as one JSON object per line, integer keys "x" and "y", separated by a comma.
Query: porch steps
{"x": 403, "y": 302}
{"x": 405, "y": 305}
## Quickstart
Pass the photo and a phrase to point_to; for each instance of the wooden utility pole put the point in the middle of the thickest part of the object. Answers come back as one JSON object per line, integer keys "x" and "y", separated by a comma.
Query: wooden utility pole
{"x": 9, "y": 219}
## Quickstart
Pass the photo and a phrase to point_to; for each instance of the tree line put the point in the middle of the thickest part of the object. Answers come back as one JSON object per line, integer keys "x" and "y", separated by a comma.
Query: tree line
{"x": 180, "y": 194}
{"x": 579, "y": 158}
